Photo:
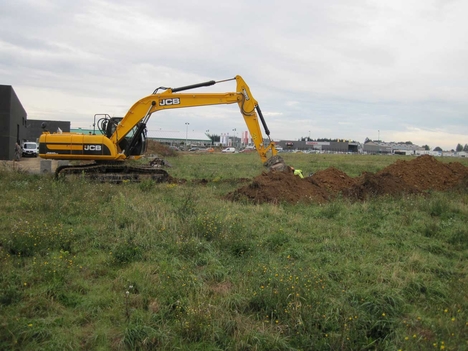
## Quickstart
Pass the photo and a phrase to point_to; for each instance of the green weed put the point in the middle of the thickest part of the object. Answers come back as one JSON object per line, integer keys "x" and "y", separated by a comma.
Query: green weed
{"x": 206, "y": 274}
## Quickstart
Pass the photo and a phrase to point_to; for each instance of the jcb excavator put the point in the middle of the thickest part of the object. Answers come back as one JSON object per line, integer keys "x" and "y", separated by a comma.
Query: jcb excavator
{"x": 121, "y": 139}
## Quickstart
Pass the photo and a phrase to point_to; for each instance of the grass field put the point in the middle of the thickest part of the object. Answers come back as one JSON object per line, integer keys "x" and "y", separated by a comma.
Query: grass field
{"x": 148, "y": 266}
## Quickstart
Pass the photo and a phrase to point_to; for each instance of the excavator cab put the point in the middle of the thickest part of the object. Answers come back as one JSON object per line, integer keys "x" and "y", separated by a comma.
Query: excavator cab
{"x": 134, "y": 143}
{"x": 136, "y": 140}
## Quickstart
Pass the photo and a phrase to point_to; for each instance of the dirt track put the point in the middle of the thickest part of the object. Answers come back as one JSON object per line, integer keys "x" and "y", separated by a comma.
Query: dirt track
{"x": 31, "y": 164}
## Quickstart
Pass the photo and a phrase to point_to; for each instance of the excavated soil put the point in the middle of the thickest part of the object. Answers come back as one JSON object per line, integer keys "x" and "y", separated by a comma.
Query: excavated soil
{"x": 402, "y": 177}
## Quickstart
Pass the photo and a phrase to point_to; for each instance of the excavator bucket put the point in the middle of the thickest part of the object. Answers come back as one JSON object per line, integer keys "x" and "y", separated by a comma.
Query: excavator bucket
{"x": 275, "y": 163}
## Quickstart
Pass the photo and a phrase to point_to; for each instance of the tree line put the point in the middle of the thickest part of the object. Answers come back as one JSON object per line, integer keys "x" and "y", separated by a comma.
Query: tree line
{"x": 459, "y": 148}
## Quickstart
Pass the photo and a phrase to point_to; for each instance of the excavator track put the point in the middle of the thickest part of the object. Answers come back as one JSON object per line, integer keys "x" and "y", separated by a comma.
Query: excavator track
{"x": 112, "y": 173}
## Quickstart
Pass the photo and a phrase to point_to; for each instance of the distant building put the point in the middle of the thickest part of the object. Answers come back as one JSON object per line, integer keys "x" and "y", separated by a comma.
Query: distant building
{"x": 376, "y": 148}
{"x": 381, "y": 147}
{"x": 319, "y": 146}
{"x": 86, "y": 131}
{"x": 179, "y": 137}
{"x": 428, "y": 152}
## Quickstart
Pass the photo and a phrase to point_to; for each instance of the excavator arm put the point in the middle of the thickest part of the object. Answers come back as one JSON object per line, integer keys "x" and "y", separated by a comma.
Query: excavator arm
{"x": 142, "y": 110}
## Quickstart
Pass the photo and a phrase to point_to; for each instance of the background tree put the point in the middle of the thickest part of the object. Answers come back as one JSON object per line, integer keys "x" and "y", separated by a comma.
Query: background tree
{"x": 459, "y": 148}
{"x": 437, "y": 148}
{"x": 426, "y": 147}
{"x": 465, "y": 148}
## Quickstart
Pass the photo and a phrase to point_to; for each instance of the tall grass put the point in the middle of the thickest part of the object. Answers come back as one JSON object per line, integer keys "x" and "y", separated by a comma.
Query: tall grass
{"x": 163, "y": 266}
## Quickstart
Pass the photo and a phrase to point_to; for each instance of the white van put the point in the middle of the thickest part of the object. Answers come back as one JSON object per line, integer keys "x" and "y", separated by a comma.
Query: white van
{"x": 30, "y": 148}
{"x": 229, "y": 150}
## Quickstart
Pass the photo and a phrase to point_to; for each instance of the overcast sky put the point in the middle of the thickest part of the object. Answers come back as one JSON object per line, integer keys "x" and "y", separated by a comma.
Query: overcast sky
{"x": 329, "y": 69}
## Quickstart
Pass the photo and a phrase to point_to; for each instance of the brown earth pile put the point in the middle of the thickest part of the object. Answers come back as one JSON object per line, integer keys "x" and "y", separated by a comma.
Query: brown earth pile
{"x": 425, "y": 173}
{"x": 402, "y": 177}
{"x": 277, "y": 187}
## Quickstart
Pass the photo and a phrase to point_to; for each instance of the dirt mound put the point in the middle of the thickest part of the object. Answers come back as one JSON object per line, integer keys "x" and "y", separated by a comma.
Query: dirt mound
{"x": 156, "y": 148}
{"x": 333, "y": 180}
{"x": 402, "y": 177}
{"x": 370, "y": 185}
{"x": 425, "y": 173}
{"x": 275, "y": 187}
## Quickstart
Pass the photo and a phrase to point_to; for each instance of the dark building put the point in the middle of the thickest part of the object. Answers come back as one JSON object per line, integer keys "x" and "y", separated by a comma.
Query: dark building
{"x": 15, "y": 126}
{"x": 34, "y": 128}
{"x": 13, "y": 121}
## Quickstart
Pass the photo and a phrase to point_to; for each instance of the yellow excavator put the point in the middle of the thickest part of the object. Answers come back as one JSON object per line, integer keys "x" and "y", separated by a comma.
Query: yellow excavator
{"x": 124, "y": 138}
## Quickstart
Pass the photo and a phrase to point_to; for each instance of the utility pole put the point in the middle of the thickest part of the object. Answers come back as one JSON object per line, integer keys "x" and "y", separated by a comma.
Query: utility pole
{"x": 379, "y": 139}
{"x": 186, "y": 134}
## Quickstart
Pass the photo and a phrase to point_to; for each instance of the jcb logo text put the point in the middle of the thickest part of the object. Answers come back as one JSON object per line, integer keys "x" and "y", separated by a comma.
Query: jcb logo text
{"x": 92, "y": 148}
{"x": 168, "y": 102}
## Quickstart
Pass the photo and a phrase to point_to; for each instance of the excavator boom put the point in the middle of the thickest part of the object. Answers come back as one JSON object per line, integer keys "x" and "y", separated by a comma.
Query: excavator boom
{"x": 171, "y": 99}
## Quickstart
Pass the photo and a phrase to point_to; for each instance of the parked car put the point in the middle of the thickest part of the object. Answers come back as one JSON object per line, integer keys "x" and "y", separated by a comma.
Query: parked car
{"x": 30, "y": 149}
{"x": 229, "y": 150}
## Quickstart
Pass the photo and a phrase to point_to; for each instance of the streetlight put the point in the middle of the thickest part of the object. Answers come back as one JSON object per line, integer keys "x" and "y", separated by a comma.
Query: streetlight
{"x": 186, "y": 134}
{"x": 234, "y": 141}
{"x": 208, "y": 135}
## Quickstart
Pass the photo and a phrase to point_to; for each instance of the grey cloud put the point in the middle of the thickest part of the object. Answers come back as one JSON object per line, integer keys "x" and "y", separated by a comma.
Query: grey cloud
{"x": 352, "y": 68}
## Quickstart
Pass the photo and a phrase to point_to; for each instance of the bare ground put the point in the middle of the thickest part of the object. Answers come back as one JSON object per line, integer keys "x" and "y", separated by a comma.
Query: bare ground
{"x": 30, "y": 164}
